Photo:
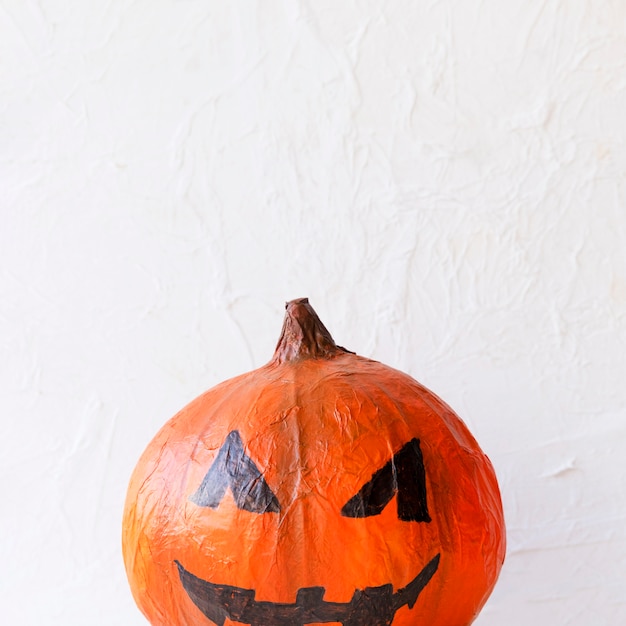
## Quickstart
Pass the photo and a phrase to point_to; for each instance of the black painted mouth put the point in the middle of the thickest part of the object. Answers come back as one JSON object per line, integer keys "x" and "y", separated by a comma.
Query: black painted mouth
{"x": 372, "y": 606}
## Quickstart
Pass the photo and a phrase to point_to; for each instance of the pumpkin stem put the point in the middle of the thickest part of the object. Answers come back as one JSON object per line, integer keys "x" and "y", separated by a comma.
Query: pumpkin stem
{"x": 303, "y": 335}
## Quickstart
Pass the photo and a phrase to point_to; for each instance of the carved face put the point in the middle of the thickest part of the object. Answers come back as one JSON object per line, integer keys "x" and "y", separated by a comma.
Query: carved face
{"x": 317, "y": 490}
{"x": 402, "y": 476}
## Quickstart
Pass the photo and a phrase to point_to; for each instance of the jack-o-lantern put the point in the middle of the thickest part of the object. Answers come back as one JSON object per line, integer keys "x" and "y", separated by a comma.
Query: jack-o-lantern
{"x": 322, "y": 488}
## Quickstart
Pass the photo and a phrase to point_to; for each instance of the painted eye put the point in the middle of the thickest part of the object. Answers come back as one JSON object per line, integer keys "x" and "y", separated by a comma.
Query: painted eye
{"x": 235, "y": 469}
{"x": 403, "y": 475}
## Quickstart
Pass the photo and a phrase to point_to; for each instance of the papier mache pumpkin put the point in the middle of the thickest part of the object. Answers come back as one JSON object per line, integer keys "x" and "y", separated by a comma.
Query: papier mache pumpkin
{"x": 321, "y": 488}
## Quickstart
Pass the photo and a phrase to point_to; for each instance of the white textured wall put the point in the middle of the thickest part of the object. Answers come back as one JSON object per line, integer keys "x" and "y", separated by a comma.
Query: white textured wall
{"x": 445, "y": 180}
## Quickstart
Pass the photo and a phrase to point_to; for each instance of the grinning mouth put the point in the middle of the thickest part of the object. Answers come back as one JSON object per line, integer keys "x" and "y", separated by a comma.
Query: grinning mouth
{"x": 372, "y": 606}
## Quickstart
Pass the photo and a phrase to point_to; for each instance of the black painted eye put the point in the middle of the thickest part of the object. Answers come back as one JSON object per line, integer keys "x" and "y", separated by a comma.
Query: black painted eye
{"x": 403, "y": 475}
{"x": 235, "y": 469}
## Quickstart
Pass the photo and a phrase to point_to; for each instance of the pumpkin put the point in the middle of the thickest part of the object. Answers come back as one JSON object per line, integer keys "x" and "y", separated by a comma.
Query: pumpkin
{"x": 321, "y": 488}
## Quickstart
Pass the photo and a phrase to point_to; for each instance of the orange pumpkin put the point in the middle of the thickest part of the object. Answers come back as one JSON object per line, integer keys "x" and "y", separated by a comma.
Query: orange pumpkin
{"x": 321, "y": 488}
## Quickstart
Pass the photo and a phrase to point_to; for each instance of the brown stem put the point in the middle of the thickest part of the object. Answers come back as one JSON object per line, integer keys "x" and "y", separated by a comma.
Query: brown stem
{"x": 303, "y": 335}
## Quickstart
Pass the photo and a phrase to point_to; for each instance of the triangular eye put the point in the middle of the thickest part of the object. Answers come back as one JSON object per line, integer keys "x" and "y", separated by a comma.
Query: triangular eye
{"x": 404, "y": 474}
{"x": 235, "y": 469}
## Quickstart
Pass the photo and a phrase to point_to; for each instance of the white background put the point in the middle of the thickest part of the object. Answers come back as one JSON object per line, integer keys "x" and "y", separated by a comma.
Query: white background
{"x": 445, "y": 180}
